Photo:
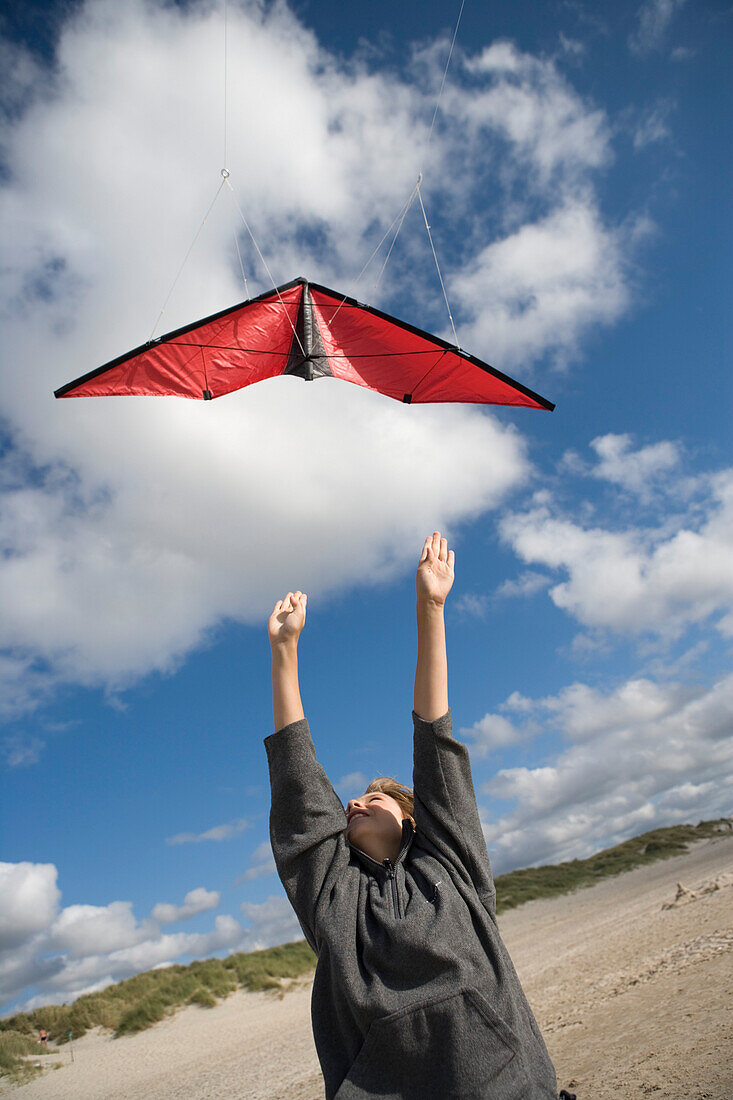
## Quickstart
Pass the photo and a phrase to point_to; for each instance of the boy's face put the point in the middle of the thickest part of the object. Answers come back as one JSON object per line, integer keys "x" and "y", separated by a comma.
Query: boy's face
{"x": 375, "y": 817}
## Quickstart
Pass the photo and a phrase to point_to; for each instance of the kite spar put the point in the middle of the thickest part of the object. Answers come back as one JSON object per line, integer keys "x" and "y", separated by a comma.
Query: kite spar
{"x": 309, "y": 331}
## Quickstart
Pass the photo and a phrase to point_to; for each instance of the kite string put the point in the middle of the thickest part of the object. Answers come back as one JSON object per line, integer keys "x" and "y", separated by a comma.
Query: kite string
{"x": 241, "y": 266}
{"x": 225, "y": 83}
{"x": 445, "y": 74}
{"x": 183, "y": 264}
{"x": 419, "y": 178}
{"x": 264, "y": 261}
{"x": 399, "y": 218}
{"x": 415, "y": 191}
{"x": 437, "y": 265}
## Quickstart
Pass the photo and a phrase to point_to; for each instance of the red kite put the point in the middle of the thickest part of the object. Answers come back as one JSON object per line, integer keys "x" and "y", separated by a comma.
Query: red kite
{"x": 307, "y": 330}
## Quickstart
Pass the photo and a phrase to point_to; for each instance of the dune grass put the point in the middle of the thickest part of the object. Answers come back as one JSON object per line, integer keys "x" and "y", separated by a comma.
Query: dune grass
{"x": 142, "y": 1001}
{"x": 517, "y": 887}
{"x": 15, "y": 1047}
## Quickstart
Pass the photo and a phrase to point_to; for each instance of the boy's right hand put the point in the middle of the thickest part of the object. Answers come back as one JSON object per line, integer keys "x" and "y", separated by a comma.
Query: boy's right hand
{"x": 287, "y": 619}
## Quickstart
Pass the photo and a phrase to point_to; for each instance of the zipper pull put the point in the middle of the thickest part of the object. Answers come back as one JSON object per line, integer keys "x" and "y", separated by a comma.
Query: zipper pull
{"x": 435, "y": 889}
{"x": 388, "y": 866}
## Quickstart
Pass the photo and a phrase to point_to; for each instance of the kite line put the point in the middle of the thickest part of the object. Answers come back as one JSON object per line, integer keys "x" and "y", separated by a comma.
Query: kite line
{"x": 435, "y": 257}
{"x": 183, "y": 264}
{"x": 398, "y": 220}
{"x": 416, "y": 191}
{"x": 445, "y": 73}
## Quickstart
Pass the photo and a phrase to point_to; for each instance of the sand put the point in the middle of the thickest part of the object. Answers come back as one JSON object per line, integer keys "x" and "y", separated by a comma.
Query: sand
{"x": 630, "y": 981}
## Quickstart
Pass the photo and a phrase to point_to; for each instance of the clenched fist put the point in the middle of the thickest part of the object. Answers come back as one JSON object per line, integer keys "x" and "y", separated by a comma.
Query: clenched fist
{"x": 287, "y": 618}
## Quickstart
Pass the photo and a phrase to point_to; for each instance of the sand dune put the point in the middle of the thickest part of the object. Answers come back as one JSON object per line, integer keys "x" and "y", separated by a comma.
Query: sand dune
{"x": 630, "y": 981}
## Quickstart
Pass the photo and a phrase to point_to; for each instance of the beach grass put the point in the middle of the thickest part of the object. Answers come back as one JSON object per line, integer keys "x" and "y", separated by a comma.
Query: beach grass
{"x": 517, "y": 887}
{"x": 139, "y": 1002}
{"x": 15, "y": 1047}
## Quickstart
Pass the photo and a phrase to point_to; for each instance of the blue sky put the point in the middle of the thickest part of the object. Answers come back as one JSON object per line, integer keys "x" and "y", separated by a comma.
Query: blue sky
{"x": 576, "y": 183}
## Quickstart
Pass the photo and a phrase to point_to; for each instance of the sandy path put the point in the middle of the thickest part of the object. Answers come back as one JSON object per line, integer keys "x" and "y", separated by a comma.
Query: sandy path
{"x": 633, "y": 999}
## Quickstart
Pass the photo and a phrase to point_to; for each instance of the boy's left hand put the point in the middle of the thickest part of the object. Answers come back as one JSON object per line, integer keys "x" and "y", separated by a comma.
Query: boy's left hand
{"x": 435, "y": 570}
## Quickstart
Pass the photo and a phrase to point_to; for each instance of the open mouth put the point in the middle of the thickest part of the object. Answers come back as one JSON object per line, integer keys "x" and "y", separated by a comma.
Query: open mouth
{"x": 357, "y": 813}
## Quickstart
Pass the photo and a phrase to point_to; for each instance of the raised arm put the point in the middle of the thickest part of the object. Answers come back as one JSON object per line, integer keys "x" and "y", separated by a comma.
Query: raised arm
{"x": 445, "y": 802}
{"x": 433, "y": 582}
{"x": 286, "y": 622}
{"x": 307, "y": 818}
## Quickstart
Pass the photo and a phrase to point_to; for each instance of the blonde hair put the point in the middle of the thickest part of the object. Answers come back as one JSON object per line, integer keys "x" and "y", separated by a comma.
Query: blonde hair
{"x": 403, "y": 795}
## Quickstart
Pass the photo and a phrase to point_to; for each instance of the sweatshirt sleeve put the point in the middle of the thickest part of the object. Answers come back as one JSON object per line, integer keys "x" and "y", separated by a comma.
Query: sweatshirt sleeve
{"x": 445, "y": 802}
{"x": 307, "y": 821}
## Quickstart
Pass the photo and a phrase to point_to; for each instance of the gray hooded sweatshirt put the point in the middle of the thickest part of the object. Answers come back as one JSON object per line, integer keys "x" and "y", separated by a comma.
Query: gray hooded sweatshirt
{"x": 415, "y": 996}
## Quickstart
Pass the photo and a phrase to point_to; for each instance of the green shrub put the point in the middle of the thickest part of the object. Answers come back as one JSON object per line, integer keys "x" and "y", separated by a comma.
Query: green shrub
{"x": 518, "y": 887}
{"x": 143, "y": 1015}
{"x": 202, "y": 997}
{"x": 14, "y": 1045}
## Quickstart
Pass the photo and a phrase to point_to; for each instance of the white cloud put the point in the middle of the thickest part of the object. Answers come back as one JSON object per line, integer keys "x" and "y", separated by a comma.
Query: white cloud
{"x": 654, "y": 18}
{"x": 637, "y": 471}
{"x": 651, "y": 126}
{"x": 196, "y": 901}
{"x": 526, "y": 584}
{"x": 471, "y": 604}
{"x": 639, "y": 757}
{"x": 271, "y": 922}
{"x": 28, "y": 900}
{"x": 217, "y": 832}
{"x": 640, "y": 580}
{"x": 262, "y": 863}
{"x": 572, "y": 46}
{"x": 543, "y": 287}
{"x": 22, "y": 685}
{"x": 352, "y": 785}
{"x": 53, "y": 956}
{"x": 548, "y": 125}
{"x": 82, "y": 930}
{"x": 21, "y": 751}
{"x": 491, "y": 732}
{"x": 58, "y": 955}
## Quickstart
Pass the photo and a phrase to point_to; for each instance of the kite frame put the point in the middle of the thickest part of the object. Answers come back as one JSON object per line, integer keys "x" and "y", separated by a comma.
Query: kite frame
{"x": 345, "y": 301}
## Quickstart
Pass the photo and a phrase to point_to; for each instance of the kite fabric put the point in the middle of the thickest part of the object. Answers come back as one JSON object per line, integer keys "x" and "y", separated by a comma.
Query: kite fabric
{"x": 306, "y": 330}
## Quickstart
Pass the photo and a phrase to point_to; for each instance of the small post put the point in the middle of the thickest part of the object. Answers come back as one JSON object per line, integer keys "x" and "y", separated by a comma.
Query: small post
{"x": 71, "y": 1046}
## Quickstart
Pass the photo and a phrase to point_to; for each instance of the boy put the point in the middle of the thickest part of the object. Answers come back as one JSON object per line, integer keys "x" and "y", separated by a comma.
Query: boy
{"x": 415, "y": 996}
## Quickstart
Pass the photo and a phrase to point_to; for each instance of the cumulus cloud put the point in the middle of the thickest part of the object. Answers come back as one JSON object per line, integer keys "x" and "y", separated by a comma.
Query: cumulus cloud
{"x": 28, "y": 900}
{"x": 655, "y": 580}
{"x": 643, "y": 471}
{"x": 654, "y": 18}
{"x": 196, "y": 901}
{"x": 632, "y": 470}
{"x": 82, "y": 930}
{"x": 491, "y": 732}
{"x": 271, "y": 921}
{"x": 540, "y": 289}
{"x": 638, "y": 757}
{"x": 54, "y": 955}
{"x": 550, "y": 128}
